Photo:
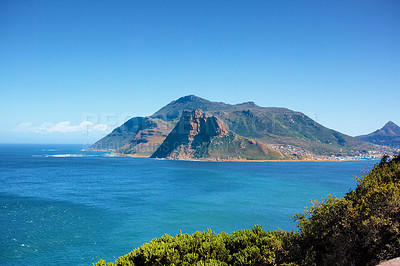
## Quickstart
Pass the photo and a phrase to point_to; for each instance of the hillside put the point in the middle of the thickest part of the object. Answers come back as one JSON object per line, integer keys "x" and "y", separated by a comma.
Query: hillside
{"x": 265, "y": 125}
{"x": 388, "y": 135}
{"x": 120, "y": 135}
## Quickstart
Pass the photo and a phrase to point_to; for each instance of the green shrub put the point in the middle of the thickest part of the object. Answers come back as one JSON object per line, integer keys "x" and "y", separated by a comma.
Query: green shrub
{"x": 363, "y": 228}
{"x": 245, "y": 247}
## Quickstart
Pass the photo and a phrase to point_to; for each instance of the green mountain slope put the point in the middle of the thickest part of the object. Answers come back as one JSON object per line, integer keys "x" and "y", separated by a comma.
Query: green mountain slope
{"x": 269, "y": 126}
{"x": 283, "y": 126}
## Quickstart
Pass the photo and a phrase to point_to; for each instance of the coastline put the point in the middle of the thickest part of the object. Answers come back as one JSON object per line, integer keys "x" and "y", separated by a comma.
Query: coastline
{"x": 241, "y": 160}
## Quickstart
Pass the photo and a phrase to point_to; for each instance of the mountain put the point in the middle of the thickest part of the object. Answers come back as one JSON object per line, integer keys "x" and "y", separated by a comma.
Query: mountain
{"x": 388, "y": 135}
{"x": 293, "y": 133}
{"x": 120, "y": 135}
{"x": 201, "y": 136}
{"x": 124, "y": 137}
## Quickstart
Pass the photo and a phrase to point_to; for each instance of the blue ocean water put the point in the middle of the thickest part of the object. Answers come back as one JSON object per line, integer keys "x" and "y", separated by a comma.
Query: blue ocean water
{"x": 61, "y": 205}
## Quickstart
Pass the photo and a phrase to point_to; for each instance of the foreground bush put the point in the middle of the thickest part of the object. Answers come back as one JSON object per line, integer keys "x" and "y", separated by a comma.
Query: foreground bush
{"x": 245, "y": 247}
{"x": 363, "y": 228}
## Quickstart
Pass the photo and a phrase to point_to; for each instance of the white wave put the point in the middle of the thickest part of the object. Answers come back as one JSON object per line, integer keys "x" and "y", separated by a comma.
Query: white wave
{"x": 66, "y": 155}
{"x": 71, "y": 155}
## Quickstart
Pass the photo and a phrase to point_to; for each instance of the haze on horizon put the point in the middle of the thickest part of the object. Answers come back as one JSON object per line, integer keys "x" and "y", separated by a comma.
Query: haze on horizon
{"x": 69, "y": 66}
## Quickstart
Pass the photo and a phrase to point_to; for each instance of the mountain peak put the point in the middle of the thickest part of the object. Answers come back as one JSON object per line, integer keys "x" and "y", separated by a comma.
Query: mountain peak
{"x": 388, "y": 135}
{"x": 190, "y": 98}
{"x": 248, "y": 104}
{"x": 391, "y": 129}
{"x": 173, "y": 110}
{"x": 390, "y": 124}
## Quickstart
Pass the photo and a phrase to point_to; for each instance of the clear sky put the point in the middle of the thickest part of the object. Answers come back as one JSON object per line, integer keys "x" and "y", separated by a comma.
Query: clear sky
{"x": 66, "y": 62}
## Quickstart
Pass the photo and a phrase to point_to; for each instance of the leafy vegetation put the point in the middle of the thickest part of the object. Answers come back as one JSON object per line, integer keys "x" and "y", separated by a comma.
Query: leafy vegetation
{"x": 245, "y": 247}
{"x": 362, "y": 228}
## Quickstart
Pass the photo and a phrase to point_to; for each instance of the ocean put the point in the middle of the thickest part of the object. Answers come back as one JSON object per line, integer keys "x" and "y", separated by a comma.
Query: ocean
{"x": 62, "y": 205}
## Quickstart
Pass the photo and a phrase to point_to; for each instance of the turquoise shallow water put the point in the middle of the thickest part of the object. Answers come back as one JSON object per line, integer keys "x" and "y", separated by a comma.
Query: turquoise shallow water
{"x": 61, "y": 205}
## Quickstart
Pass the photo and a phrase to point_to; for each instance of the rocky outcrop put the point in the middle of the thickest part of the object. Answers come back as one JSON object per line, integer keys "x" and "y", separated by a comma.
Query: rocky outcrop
{"x": 193, "y": 130}
{"x": 201, "y": 136}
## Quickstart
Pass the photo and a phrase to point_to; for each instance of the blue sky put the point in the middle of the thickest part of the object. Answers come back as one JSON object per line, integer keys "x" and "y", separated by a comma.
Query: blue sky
{"x": 65, "y": 62}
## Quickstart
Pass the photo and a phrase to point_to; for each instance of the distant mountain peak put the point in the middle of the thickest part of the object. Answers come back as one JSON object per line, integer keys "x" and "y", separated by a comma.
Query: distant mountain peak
{"x": 173, "y": 110}
{"x": 388, "y": 135}
{"x": 390, "y": 124}
{"x": 391, "y": 129}
{"x": 249, "y": 104}
{"x": 190, "y": 98}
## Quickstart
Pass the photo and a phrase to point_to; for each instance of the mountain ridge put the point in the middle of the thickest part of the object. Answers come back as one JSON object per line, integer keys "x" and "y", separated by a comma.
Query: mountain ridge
{"x": 299, "y": 135}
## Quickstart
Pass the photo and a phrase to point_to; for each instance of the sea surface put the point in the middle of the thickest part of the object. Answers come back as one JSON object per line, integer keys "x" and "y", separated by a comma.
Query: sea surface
{"x": 62, "y": 205}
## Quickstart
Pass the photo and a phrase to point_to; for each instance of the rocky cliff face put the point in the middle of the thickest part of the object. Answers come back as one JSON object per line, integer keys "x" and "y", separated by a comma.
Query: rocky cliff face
{"x": 201, "y": 136}
{"x": 193, "y": 130}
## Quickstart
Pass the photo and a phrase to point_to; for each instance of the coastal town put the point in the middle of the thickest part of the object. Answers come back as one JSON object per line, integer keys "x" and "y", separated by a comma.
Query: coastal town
{"x": 297, "y": 153}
